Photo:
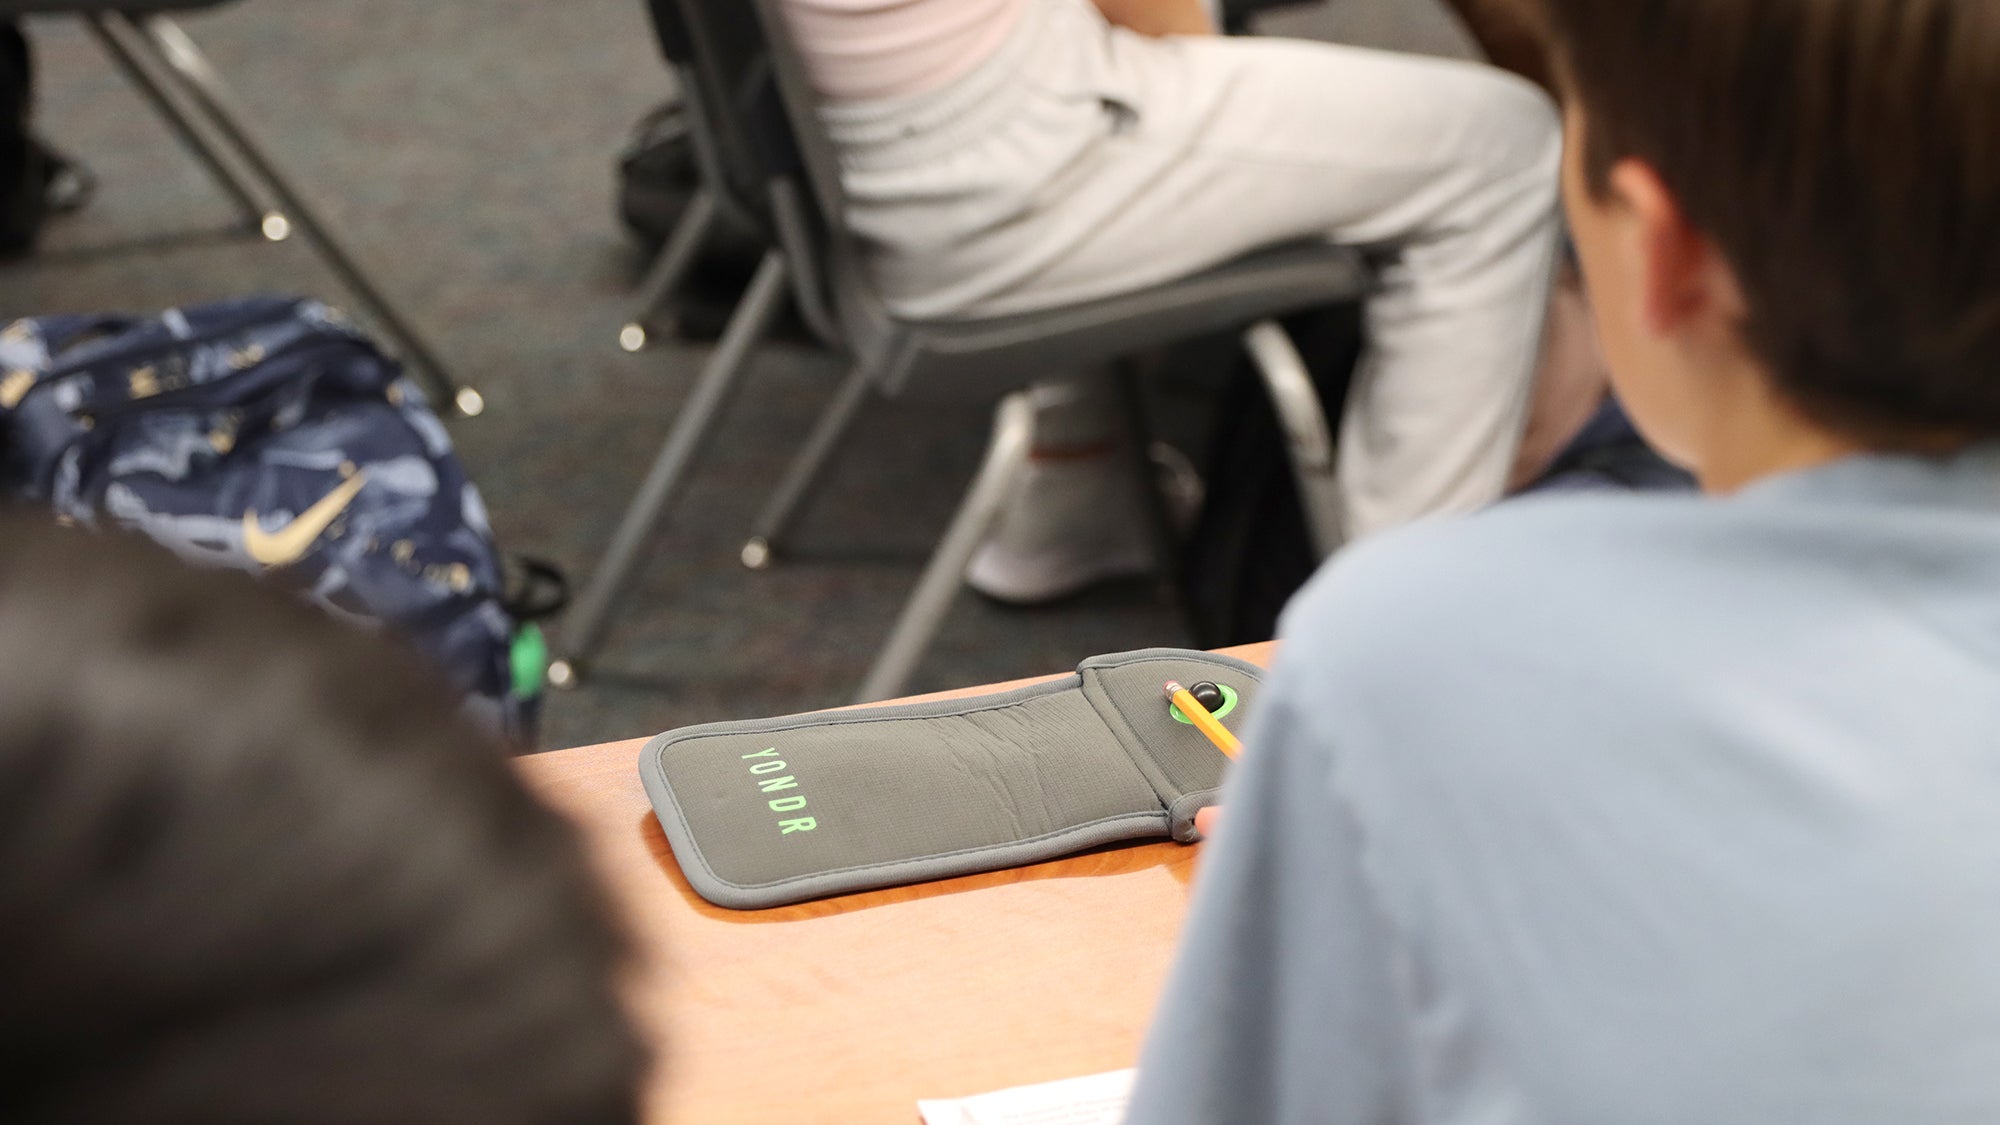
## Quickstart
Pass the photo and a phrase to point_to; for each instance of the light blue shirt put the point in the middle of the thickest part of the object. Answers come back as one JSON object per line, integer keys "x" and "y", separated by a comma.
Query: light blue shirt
{"x": 1626, "y": 809}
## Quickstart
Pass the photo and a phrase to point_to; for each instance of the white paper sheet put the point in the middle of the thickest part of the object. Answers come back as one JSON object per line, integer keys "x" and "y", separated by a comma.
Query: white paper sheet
{"x": 1098, "y": 1099}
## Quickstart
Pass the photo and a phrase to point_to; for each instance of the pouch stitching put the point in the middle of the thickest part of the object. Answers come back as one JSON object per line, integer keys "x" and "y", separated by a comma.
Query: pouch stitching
{"x": 827, "y": 719}
{"x": 1126, "y": 718}
{"x": 655, "y": 761}
{"x": 695, "y": 845}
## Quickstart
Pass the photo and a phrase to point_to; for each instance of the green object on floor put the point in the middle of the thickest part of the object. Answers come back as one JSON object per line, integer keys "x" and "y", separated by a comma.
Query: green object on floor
{"x": 530, "y": 658}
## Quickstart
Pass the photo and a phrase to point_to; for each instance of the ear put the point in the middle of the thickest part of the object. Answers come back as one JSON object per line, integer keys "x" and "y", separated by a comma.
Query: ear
{"x": 1682, "y": 274}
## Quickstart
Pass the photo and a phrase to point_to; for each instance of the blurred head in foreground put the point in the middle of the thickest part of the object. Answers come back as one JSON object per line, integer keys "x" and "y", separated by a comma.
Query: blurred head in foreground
{"x": 1789, "y": 215}
{"x": 253, "y": 868}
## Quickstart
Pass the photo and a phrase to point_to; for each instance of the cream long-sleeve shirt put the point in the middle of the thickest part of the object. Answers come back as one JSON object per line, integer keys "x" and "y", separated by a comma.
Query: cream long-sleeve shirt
{"x": 862, "y": 50}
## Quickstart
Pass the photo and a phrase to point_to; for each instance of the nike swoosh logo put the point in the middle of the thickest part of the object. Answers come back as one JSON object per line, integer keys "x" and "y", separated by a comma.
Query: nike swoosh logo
{"x": 290, "y": 543}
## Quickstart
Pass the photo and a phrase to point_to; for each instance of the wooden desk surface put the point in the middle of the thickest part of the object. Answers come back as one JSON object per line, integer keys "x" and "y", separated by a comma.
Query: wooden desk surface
{"x": 848, "y": 1010}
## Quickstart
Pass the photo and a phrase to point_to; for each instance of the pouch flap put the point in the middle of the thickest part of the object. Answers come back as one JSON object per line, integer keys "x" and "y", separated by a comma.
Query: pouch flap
{"x": 773, "y": 811}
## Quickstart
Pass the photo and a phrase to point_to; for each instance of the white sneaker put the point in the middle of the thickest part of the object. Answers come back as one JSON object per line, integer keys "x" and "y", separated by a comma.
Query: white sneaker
{"x": 1071, "y": 523}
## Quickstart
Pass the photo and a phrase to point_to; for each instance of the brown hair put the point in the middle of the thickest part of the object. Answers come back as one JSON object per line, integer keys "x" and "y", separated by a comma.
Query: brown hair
{"x": 254, "y": 866}
{"x": 1845, "y": 157}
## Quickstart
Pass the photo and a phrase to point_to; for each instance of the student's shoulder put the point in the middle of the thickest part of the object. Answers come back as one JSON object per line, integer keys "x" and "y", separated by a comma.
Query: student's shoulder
{"x": 1452, "y": 584}
{"x": 1426, "y": 643}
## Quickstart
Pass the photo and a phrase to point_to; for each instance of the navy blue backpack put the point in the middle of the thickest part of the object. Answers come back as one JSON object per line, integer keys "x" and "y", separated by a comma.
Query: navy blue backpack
{"x": 267, "y": 434}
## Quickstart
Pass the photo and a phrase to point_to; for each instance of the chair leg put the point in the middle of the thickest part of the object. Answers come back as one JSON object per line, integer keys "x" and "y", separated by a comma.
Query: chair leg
{"x": 194, "y": 73}
{"x": 917, "y": 625}
{"x": 135, "y": 57}
{"x": 585, "y": 626}
{"x": 805, "y": 469}
{"x": 669, "y": 269}
{"x": 1308, "y": 438}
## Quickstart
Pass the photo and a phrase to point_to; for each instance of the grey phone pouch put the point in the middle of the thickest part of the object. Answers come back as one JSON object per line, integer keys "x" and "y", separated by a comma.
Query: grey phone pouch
{"x": 775, "y": 811}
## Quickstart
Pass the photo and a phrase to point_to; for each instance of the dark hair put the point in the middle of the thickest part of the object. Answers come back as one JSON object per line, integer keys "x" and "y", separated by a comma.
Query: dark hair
{"x": 1845, "y": 157}
{"x": 255, "y": 868}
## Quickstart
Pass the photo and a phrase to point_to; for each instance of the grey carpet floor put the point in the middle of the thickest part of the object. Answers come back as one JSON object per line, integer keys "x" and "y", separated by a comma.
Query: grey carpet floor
{"x": 465, "y": 146}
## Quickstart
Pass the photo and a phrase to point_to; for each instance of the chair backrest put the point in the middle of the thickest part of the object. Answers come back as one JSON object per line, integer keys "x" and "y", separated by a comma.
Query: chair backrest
{"x": 716, "y": 97}
{"x": 749, "y": 94}
{"x": 817, "y": 159}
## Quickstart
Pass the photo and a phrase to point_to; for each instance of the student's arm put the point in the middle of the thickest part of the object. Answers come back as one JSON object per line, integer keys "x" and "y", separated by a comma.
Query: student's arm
{"x": 1282, "y": 1004}
{"x": 1513, "y": 33}
{"x": 1158, "y": 17}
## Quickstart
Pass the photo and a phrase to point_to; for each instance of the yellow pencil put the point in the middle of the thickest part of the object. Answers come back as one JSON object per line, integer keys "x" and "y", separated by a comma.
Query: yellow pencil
{"x": 1203, "y": 721}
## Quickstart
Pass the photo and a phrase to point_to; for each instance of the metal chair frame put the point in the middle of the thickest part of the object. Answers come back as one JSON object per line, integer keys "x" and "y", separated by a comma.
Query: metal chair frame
{"x": 166, "y": 67}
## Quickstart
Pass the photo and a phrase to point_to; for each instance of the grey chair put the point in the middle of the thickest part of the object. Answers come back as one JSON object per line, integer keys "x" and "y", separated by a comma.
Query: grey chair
{"x": 770, "y": 157}
{"x": 163, "y": 62}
